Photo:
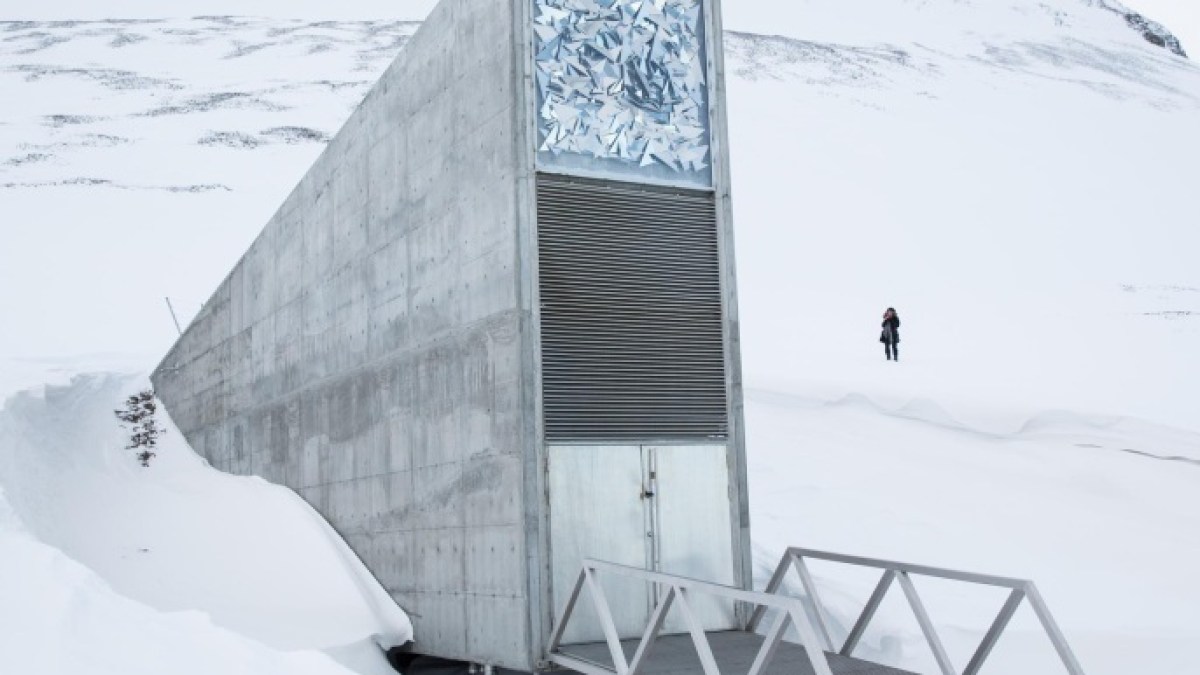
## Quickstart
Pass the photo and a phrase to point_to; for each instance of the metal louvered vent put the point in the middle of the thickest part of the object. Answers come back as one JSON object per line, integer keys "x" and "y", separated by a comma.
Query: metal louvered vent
{"x": 631, "y": 312}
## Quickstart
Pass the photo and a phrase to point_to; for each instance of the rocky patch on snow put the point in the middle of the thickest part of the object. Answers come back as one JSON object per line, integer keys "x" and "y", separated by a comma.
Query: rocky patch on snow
{"x": 229, "y": 139}
{"x": 80, "y": 141}
{"x": 123, "y": 39}
{"x": 756, "y": 57}
{"x": 29, "y": 158}
{"x": 295, "y": 135}
{"x": 225, "y": 100}
{"x": 106, "y": 77}
{"x": 1155, "y": 33}
{"x": 244, "y": 141}
{"x": 58, "y": 121}
{"x": 236, "y": 37}
{"x": 104, "y": 182}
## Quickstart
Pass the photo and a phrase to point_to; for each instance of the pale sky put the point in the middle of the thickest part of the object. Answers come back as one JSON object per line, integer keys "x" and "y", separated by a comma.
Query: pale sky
{"x": 1181, "y": 16}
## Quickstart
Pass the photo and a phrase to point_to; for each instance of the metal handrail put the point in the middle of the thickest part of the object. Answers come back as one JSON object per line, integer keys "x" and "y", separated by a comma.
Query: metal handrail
{"x": 678, "y": 591}
{"x": 1022, "y": 589}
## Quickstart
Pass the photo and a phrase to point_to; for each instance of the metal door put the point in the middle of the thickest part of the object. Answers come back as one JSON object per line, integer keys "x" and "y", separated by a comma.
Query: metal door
{"x": 596, "y": 511}
{"x": 665, "y": 508}
{"x": 693, "y": 524}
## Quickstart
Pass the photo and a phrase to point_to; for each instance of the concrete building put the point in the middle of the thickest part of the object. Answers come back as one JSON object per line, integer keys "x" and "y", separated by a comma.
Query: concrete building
{"x": 494, "y": 329}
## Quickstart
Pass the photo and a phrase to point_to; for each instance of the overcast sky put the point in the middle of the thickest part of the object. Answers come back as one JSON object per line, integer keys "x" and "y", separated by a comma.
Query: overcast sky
{"x": 1181, "y": 16}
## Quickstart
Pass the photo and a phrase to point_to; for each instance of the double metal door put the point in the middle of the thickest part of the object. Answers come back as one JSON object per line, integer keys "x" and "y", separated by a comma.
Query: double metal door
{"x": 660, "y": 507}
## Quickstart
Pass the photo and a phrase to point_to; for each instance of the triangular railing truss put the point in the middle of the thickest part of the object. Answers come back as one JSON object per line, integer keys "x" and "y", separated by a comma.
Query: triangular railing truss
{"x": 893, "y": 572}
{"x": 678, "y": 592}
{"x": 675, "y": 591}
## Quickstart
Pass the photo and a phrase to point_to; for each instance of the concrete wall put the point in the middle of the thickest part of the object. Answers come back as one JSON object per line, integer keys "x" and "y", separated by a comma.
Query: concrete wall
{"x": 723, "y": 184}
{"x": 367, "y": 350}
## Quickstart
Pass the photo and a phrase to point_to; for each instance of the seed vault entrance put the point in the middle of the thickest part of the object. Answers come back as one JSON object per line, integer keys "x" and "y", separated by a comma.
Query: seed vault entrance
{"x": 634, "y": 347}
{"x": 636, "y": 312}
{"x": 494, "y": 329}
{"x": 663, "y": 508}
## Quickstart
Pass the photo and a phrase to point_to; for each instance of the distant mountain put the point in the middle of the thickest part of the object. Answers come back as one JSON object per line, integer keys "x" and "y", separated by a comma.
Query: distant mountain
{"x": 946, "y": 155}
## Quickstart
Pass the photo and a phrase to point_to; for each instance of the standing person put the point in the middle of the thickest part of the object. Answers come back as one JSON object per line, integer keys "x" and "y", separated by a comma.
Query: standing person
{"x": 891, "y": 334}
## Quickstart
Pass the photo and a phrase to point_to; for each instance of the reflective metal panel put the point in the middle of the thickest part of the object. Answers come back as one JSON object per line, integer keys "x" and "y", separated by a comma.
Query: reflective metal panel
{"x": 622, "y": 89}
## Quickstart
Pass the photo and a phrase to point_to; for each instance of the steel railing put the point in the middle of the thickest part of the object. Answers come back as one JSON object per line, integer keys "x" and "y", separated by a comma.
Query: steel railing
{"x": 790, "y": 611}
{"x": 1021, "y": 590}
{"x": 678, "y": 591}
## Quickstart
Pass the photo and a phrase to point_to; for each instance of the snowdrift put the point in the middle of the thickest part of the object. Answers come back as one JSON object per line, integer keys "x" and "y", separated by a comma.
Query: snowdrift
{"x": 139, "y": 569}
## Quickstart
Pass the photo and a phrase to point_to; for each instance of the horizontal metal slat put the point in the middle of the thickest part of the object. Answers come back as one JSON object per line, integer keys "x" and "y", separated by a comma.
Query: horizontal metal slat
{"x": 631, "y": 311}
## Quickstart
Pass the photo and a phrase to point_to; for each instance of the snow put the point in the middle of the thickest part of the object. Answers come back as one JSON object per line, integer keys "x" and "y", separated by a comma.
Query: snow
{"x": 1016, "y": 178}
{"x": 1022, "y": 205}
{"x": 59, "y": 617}
{"x": 1106, "y": 532}
{"x": 1020, "y": 195}
{"x": 177, "y": 555}
{"x": 765, "y": 16}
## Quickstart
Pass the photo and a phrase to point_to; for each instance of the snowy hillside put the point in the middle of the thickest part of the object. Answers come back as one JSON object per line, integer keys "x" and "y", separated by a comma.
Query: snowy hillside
{"x": 1017, "y": 178}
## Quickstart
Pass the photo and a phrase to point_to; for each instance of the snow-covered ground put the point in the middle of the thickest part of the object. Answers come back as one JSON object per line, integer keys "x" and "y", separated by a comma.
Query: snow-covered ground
{"x": 1101, "y": 512}
{"x": 1017, "y": 178}
{"x": 121, "y": 569}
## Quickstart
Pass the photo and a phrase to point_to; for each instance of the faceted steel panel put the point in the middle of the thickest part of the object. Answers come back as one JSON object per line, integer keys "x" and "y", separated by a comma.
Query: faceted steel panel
{"x": 632, "y": 324}
{"x": 622, "y": 88}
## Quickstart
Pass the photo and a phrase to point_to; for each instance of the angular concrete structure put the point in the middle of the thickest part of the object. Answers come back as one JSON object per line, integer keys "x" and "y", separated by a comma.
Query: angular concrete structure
{"x": 494, "y": 331}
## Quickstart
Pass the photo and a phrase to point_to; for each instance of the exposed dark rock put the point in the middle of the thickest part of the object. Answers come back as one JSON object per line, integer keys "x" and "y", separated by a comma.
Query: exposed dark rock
{"x": 220, "y": 100}
{"x": 59, "y": 121}
{"x": 241, "y": 49}
{"x": 1155, "y": 33}
{"x": 123, "y": 39}
{"x": 31, "y": 158}
{"x": 230, "y": 139}
{"x": 98, "y": 182}
{"x": 78, "y": 141}
{"x": 296, "y": 135}
{"x": 107, "y": 77}
{"x": 41, "y": 41}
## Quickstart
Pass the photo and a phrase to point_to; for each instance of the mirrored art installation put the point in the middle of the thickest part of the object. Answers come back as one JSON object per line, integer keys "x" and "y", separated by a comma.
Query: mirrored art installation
{"x": 622, "y": 88}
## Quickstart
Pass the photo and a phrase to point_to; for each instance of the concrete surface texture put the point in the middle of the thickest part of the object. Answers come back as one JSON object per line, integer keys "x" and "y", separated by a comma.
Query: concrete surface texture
{"x": 378, "y": 349}
{"x": 368, "y": 349}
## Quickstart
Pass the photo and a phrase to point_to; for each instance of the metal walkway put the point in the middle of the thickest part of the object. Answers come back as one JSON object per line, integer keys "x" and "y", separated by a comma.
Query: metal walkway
{"x": 748, "y": 652}
{"x": 734, "y": 652}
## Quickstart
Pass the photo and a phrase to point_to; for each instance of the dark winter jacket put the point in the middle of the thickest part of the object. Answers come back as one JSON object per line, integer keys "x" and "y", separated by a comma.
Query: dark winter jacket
{"x": 891, "y": 331}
